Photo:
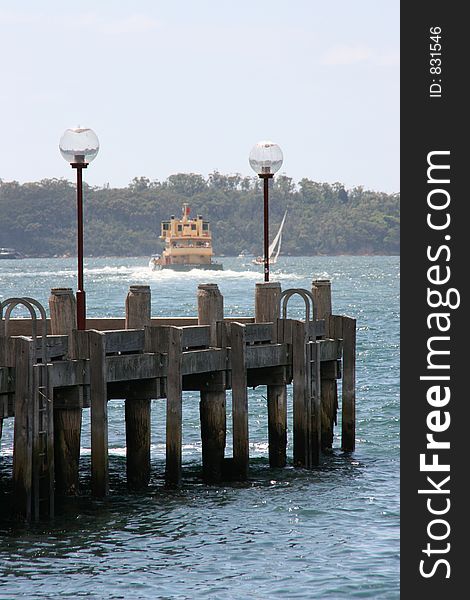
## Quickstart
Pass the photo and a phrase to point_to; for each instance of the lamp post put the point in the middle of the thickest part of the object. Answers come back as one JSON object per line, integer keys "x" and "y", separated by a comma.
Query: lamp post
{"x": 265, "y": 160}
{"x": 79, "y": 146}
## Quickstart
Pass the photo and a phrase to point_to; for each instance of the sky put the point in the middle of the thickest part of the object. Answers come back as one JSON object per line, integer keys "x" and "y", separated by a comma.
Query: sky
{"x": 191, "y": 85}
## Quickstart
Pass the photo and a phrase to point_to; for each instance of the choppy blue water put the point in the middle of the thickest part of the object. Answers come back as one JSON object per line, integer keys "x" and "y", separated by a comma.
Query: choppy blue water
{"x": 287, "y": 533}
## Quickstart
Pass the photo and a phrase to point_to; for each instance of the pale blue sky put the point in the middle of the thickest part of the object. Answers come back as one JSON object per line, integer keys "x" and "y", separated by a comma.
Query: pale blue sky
{"x": 190, "y": 86}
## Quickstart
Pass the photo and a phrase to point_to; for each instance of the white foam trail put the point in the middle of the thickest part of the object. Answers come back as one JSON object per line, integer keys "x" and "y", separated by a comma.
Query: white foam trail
{"x": 146, "y": 274}
{"x": 63, "y": 273}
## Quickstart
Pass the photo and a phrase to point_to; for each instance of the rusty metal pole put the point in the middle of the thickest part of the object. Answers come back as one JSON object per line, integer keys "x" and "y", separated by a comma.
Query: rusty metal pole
{"x": 81, "y": 302}
{"x": 266, "y": 177}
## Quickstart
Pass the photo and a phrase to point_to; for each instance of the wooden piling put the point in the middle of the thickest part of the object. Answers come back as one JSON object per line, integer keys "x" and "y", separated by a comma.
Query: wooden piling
{"x": 344, "y": 328}
{"x": 267, "y": 307}
{"x": 99, "y": 414}
{"x": 239, "y": 401}
{"x": 328, "y": 409}
{"x": 300, "y": 416}
{"x": 267, "y": 299}
{"x": 23, "y": 429}
{"x": 63, "y": 309}
{"x": 313, "y": 401}
{"x": 321, "y": 290}
{"x": 138, "y": 410}
{"x": 67, "y": 422}
{"x": 348, "y": 411}
{"x": 174, "y": 409}
{"x": 210, "y": 307}
{"x": 212, "y": 406}
{"x": 138, "y": 307}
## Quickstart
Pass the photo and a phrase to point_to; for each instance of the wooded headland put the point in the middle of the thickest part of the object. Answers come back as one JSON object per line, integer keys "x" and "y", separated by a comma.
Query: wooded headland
{"x": 38, "y": 219}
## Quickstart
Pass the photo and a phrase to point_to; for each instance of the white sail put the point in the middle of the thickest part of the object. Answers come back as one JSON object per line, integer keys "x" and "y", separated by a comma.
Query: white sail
{"x": 273, "y": 259}
{"x": 274, "y": 248}
{"x": 277, "y": 240}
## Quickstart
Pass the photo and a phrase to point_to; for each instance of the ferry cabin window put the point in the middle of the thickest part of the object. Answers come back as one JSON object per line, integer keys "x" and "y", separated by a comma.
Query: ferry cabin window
{"x": 193, "y": 226}
{"x": 165, "y": 226}
{"x": 180, "y": 228}
{"x": 205, "y": 227}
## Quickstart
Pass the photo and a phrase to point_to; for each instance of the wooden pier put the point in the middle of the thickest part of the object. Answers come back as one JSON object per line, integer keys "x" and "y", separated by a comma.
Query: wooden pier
{"x": 50, "y": 372}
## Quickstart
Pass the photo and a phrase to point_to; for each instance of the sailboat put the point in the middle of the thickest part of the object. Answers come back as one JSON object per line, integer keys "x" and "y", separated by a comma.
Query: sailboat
{"x": 274, "y": 248}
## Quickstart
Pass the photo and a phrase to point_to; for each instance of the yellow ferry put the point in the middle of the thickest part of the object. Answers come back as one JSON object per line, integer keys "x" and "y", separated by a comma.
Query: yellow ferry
{"x": 188, "y": 244}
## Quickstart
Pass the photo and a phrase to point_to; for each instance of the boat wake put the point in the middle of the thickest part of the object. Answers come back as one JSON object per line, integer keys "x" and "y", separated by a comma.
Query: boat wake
{"x": 143, "y": 273}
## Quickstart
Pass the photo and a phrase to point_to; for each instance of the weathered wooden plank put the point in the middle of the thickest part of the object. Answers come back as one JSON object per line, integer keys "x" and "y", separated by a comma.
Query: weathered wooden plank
{"x": 69, "y": 373}
{"x": 239, "y": 401}
{"x": 68, "y": 398}
{"x": 284, "y": 330}
{"x": 267, "y": 376}
{"x": 174, "y": 410}
{"x": 205, "y": 381}
{"x": 254, "y": 333}
{"x": 259, "y": 333}
{"x": 348, "y": 433}
{"x": 106, "y": 323}
{"x": 317, "y": 328}
{"x": 56, "y": 346}
{"x": 330, "y": 349}
{"x": 130, "y": 367}
{"x": 157, "y": 339}
{"x": 79, "y": 346}
{"x": 146, "y": 366}
{"x": 202, "y": 361}
{"x": 99, "y": 414}
{"x": 134, "y": 390}
{"x": 121, "y": 340}
{"x": 196, "y": 336}
{"x": 335, "y": 326}
{"x": 23, "y": 428}
{"x": 272, "y": 355}
{"x": 21, "y": 326}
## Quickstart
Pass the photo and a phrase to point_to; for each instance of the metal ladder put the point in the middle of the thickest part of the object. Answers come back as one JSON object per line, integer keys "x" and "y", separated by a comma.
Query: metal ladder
{"x": 312, "y": 400}
{"x": 42, "y": 443}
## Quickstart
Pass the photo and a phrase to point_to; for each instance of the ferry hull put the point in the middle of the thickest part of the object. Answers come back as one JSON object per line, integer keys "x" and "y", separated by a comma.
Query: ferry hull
{"x": 188, "y": 267}
{"x": 207, "y": 267}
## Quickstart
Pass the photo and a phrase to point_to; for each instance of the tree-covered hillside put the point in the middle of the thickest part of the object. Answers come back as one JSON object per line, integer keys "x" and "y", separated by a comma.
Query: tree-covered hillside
{"x": 38, "y": 219}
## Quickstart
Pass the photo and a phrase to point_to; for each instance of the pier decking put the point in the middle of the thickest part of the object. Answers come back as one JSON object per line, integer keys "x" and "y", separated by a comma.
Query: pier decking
{"x": 50, "y": 372}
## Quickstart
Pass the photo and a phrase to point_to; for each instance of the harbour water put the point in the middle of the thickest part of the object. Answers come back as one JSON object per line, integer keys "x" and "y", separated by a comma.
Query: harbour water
{"x": 286, "y": 533}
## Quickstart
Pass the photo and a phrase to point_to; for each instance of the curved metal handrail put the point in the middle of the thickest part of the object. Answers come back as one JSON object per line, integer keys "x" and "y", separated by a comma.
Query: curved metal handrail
{"x": 30, "y": 304}
{"x": 307, "y": 298}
